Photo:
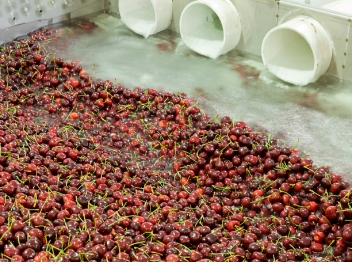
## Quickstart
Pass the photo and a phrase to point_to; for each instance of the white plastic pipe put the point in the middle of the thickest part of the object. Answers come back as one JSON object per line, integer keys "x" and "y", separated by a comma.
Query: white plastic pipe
{"x": 146, "y": 17}
{"x": 210, "y": 27}
{"x": 298, "y": 51}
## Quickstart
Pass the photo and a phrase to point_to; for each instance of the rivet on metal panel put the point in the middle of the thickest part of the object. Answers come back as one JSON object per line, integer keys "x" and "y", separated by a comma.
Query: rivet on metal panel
{"x": 67, "y": 3}
{"x": 40, "y": 10}
{"x": 12, "y": 18}
{"x": 25, "y": 9}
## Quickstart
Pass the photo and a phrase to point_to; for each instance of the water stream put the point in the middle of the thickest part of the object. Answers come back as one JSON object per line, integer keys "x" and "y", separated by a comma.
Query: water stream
{"x": 316, "y": 118}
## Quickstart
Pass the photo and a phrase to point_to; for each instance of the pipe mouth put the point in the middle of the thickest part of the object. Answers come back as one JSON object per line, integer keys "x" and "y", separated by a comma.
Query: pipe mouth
{"x": 289, "y": 56}
{"x": 298, "y": 51}
{"x": 205, "y": 27}
{"x": 146, "y": 17}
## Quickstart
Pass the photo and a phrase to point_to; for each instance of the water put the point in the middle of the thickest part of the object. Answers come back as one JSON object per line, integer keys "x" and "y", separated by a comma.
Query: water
{"x": 316, "y": 118}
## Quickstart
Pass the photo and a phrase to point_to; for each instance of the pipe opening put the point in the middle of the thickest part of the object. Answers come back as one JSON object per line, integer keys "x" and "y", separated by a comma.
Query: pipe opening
{"x": 288, "y": 55}
{"x": 201, "y": 29}
{"x": 138, "y": 15}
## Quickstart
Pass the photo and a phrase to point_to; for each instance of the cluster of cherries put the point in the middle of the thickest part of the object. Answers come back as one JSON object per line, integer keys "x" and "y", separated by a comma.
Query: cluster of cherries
{"x": 93, "y": 171}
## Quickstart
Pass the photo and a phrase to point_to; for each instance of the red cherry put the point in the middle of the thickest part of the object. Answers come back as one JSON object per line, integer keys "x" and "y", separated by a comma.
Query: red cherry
{"x": 172, "y": 258}
{"x": 330, "y": 212}
{"x": 316, "y": 247}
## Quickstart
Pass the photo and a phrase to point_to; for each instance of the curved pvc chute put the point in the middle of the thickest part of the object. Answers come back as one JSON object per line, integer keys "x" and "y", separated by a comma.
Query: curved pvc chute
{"x": 298, "y": 51}
{"x": 146, "y": 17}
{"x": 210, "y": 27}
